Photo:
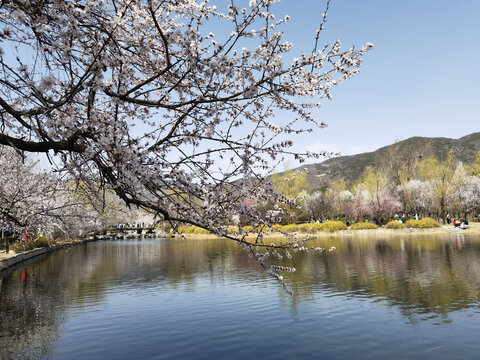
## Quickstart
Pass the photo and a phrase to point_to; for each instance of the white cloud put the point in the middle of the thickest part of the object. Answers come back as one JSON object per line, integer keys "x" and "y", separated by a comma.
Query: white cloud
{"x": 318, "y": 147}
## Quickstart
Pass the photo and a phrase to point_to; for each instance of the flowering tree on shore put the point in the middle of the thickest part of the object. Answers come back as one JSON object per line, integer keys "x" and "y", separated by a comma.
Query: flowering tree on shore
{"x": 440, "y": 177}
{"x": 292, "y": 186}
{"x": 471, "y": 196}
{"x": 420, "y": 194}
{"x": 465, "y": 197}
{"x": 36, "y": 202}
{"x": 142, "y": 97}
{"x": 356, "y": 205}
{"x": 318, "y": 206}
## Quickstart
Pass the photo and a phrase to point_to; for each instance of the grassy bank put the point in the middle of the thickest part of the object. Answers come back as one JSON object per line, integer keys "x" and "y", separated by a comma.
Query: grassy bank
{"x": 354, "y": 231}
{"x": 277, "y": 237}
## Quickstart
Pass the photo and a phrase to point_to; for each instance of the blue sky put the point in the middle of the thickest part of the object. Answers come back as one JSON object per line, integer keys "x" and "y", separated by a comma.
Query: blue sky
{"x": 421, "y": 79}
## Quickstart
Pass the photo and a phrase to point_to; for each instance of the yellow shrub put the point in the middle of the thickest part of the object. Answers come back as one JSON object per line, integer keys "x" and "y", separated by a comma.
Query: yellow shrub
{"x": 412, "y": 223}
{"x": 363, "y": 226}
{"x": 394, "y": 225}
{"x": 186, "y": 229}
{"x": 248, "y": 228}
{"x": 42, "y": 241}
{"x": 233, "y": 229}
{"x": 192, "y": 230}
{"x": 333, "y": 226}
{"x": 310, "y": 228}
{"x": 199, "y": 230}
{"x": 290, "y": 228}
{"x": 425, "y": 223}
{"x": 429, "y": 223}
{"x": 277, "y": 227}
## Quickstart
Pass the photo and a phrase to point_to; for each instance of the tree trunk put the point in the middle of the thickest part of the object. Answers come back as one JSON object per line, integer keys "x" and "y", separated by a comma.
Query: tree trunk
{"x": 7, "y": 245}
{"x": 442, "y": 209}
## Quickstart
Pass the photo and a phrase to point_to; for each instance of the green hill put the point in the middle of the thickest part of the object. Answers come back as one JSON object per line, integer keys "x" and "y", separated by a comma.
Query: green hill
{"x": 416, "y": 148}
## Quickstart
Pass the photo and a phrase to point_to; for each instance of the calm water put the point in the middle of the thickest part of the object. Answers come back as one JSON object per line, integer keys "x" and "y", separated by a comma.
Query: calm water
{"x": 405, "y": 297}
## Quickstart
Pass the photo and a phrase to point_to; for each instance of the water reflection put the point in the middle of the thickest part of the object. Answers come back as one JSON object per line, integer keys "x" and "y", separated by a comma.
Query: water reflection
{"x": 35, "y": 298}
{"x": 420, "y": 276}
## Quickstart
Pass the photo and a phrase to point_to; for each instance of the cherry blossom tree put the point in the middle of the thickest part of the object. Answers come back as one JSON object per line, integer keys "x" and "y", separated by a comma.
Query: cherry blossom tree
{"x": 318, "y": 205}
{"x": 471, "y": 196}
{"x": 466, "y": 192}
{"x": 356, "y": 205}
{"x": 33, "y": 202}
{"x": 142, "y": 97}
{"x": 420, "y": 194}
{"x": 386, "y": 205}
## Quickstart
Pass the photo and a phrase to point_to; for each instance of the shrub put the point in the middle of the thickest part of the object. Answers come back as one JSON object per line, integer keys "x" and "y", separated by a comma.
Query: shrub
{"x": 192, "y": 230}
{"x": 333, "y": 226}
{"x": 394, "y": 225}
{"x": 199, "y": 230}
{"x": 310, "y": 228}
{"x": 42, "y": 241}
{"x": 248, "y": 228}
{"x": 363, "y": 226}
{"x": 38, "y": 242}
{"x": 425, "y": 223}
{"x": 233, "y": 229}
{"x": 429, "y": 223}
{"x": 412, "y": 223}
{"x": 186, "y": 229}
{"x": 277, "y": 227}
{"x": 22, "y": 246}
{"x": 290, "y": 228}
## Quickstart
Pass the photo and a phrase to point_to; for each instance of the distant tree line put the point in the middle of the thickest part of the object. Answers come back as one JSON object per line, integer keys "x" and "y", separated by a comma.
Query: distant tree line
{"x": 402, "y": 187}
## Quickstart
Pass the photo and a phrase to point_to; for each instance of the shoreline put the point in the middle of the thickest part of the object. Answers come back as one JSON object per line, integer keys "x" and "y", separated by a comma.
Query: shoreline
{"x": 443, "y": 230}
{"x": 11, "y": 259}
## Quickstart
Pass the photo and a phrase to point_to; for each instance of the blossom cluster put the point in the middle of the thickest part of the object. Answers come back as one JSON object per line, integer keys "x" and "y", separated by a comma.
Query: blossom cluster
{"x": 142, "y": 96}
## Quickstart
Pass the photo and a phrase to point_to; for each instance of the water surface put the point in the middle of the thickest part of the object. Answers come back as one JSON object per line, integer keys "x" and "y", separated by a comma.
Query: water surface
{"x": 398, "y": 297}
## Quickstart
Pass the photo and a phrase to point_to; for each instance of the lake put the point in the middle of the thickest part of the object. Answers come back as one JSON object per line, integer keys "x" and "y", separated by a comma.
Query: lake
{"x": 409, "y": 296}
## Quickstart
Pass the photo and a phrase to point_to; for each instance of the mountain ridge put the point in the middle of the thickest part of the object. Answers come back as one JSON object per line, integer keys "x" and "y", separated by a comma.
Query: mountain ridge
{"x": 350, "y": 167}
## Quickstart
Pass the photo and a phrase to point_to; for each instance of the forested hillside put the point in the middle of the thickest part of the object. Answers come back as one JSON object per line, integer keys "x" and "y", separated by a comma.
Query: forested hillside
{"x": 350, "y": 168}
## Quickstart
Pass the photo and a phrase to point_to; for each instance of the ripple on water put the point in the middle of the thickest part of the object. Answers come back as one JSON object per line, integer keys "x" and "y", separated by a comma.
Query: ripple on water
{"x": 204, "y": 300}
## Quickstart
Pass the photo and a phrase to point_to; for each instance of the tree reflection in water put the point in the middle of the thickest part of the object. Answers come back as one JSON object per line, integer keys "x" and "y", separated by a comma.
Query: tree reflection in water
{"x": 424, "y": 275}
{"x": 421, "y": 276}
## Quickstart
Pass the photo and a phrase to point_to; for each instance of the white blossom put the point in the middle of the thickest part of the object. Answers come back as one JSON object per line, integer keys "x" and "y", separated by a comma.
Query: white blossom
{"x": 142, "y": 101}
